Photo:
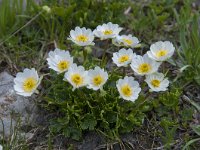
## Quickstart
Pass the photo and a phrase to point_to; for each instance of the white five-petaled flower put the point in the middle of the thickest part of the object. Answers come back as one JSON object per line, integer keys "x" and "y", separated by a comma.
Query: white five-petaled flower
{"x": 127, "y": 40}
{"x": 107, "y": 31}
{"x": 128, "y": 88}
{"x": 143, "y": 65}
{"x": 59, "y": 60}
{"x": 76, "y": 76}
{"x": 161, "y": 51}
{"x": 82, "y": 36}
{"x": 123, "y": 57}
{"x": 97, "y": 78}
{"x": 26, "y": 82}
{"x": 157, "y": 82}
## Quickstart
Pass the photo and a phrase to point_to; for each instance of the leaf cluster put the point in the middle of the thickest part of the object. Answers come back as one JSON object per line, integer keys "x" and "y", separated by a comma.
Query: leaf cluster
{"x": 171, "y": 116}
{"x": 86, "y": 110}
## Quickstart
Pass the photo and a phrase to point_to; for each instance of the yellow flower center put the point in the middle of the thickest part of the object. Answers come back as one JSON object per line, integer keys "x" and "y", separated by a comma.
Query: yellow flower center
{"x": 128, "y": 41}
{"x": 107, "y": 32}
{"x": 123, "y": 58}
{"x": 126, "y": 90}
{"x": 77, "y": 79}
{"x": 97, "y": 80}
{"x": 144, "y": 68}
{"x": 29, "y": 84}
{"x": 161, "y": 53}
{"x": 82, "y": 38}
{"x": 63, "y": 65}
{"x": 155, "y": 83}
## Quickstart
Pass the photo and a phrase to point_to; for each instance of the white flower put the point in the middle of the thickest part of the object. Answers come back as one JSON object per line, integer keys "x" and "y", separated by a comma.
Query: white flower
{"x": 82, "y": 36}
{"x": 143, "y": 65}
{"x": 157, "y": 82}
{"x": 76, "y": 76}
{"x": 59, "y": 60}
{"x": 1, "y": 147}
{"x": 161, "y": 51}
{"x": 97, "y": 78}
{"x": 123, "y": 57}
{"x": 128, "y": 88}
{"x": 127, "y": 40}
{"x": 107, "y": 31}
{"x": 26, "y": 82}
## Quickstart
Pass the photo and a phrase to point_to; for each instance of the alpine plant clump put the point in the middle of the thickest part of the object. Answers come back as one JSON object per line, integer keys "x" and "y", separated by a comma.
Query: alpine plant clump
{"x": 98, "y": 79}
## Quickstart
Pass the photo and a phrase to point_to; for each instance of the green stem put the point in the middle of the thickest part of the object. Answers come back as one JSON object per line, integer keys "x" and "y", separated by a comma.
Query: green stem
{"x": 85, "y": 56}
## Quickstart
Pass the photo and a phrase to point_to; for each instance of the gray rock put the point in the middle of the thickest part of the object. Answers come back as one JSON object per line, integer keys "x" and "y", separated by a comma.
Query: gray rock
{"x": 15, "y": 110}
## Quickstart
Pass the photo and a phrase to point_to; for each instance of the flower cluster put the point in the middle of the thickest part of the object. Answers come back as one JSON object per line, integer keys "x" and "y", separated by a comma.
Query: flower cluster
{"x": 61, "y": 61}
{"x": 146, "y": 65}
{"x": 84, "y": 37}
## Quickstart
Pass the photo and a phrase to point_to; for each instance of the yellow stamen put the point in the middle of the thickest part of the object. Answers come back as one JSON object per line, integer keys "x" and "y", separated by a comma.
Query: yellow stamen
{"x": 144, "y": 68}
{"x": 107, "y": 32}
{"x": 161, "y": 53}
{"x": 123, "y": 58}
{"x": 97, "y": 80}
{"x": 126, "y": 90}
{"x": 29, "y": 84}
{"x": 77, "y": 79}
{"x": 82, "y": 38}
{"x": 128, "y": 41}
{"x": 155, "y": 83}
{"x": 63, "y": 65}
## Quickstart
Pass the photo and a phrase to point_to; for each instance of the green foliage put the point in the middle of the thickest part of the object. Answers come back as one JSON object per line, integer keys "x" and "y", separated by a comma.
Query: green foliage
{"x": 171, "y": 116}
{"x": 153, "y": 20}
{"x": 189, "y": 51}
{"x": 168, "y": 110}
{"x": 168, "y": 101}
{"x": 28, "y": 46}
{"x": 13, "y": 15}
{"x": 196, "y": 129}
{"x": 65, "y": 16}
{"x": 82, "y": 110}
{"x": 170, "y": 128}
{"x": 18, "y": 44}
{"x": 186, "y": 115}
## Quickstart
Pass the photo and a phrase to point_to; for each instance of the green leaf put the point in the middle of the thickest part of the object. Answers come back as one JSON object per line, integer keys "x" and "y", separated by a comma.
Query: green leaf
{"x": 110, "y": 116}
{"x": 171, "y": 98}
{"x": 197, "y": 79}
{"x": 60, "y": 11}
{"x": 88, "y": 122}
{"x": 190, "y": 142}
{"x": 196, "y": 105}
{"x": 75, "y": 133}
{"x": 187, "y": 114}
{"x": 196, "y": 129}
